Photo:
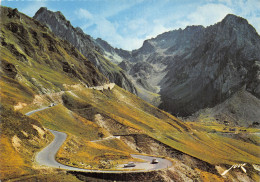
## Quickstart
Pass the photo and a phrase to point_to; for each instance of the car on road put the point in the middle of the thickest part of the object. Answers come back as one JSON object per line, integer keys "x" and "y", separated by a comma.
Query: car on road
{"x": 155, "y": 161}
{"x": 130, "y": 164}
{"x": 52, "y": 104}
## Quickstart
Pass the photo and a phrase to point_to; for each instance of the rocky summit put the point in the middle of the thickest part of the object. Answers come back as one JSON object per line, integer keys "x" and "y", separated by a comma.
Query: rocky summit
{"x": 61, "y": 27}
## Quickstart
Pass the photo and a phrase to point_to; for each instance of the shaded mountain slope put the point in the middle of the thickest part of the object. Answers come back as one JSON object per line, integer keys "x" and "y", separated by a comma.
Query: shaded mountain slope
{"x": 221, "y": 60}
{"x": 242, "y": 108}
{"x": 85, "y": 44}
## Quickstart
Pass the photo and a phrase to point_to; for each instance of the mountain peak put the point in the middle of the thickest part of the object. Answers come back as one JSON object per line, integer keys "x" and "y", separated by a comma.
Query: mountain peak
{"x": 234, "y": 19}
{"x": 42, "y": 10}
{"x": 45, "y": 13}
{"x": 238, "y": 23}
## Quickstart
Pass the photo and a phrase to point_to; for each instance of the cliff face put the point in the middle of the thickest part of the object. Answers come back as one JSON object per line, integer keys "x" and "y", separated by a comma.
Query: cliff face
{"x": 217, "y": 62}
{"x": 203, "y": 66}
{"x": 86, "y": 45}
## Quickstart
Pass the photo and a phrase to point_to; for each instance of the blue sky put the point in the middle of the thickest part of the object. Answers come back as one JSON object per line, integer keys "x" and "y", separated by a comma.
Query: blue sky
{"x": 127, "y": 23}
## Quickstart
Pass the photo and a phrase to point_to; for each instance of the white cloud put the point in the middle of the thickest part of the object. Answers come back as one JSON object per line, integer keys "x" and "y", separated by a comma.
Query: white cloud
{"x": 208, "y": 14}
{"x": 83, "y": 13}
{"x": 255, "y": 22}
{"x": 130, "y": 33}
{"x": 228, "y": 2}
{"x": 109, "y": 33}
{"x": 248, "y": 9}
{"x": 107, "y": 30}
{"x": 157, "y": 29}
{"x": 34, "y": 6}
{"x": 118, "y": 6}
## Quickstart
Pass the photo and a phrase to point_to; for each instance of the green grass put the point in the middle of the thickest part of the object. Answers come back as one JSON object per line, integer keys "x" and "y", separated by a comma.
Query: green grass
{"x": 78, "y": 151}
{"x": 132, "y": 112}
{"x": 40, "y": 63}
{"x": 121, "y": 111}
{"x": 213, "y": 126}
{"x": 61, "y": 119}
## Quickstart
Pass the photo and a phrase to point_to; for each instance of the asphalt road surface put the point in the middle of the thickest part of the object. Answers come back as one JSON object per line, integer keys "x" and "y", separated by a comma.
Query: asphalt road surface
{"x": 46, "y": 157}
{"x": 34, "y": 111}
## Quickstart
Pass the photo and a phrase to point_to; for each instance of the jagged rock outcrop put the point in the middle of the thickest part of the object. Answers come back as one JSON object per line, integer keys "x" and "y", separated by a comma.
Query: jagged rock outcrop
{"x": 85, "y": 44}
{"x": 125, "y": 65}
{"x": 114, "y": 54}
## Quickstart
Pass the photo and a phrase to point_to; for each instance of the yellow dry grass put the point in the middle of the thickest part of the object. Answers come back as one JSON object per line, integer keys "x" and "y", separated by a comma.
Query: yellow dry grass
{"x": 79, "y": 152}
{"x": 11, "y": 163}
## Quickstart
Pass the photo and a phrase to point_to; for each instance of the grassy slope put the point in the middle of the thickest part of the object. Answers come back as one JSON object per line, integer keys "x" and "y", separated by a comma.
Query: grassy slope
{"x": 61, "y": 119}
{"x": 131, "y": 111}
{"x": 78, "y": 150}
{"x": 32, "y": 60}
{"x": 32, "y": 55}
{"x": 19, "y": 141}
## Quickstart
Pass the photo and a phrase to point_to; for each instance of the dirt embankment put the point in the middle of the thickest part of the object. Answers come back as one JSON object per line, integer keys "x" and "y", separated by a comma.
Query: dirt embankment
{"x": 101, "y": 177}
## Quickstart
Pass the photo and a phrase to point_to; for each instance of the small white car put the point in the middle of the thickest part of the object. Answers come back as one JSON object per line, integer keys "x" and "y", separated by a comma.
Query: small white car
{"x": 130, "y": 164}
{"x": 155, "y": 161}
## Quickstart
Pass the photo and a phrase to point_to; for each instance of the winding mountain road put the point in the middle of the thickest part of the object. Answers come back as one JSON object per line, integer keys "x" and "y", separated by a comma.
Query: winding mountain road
{"x": 47, "y": 155}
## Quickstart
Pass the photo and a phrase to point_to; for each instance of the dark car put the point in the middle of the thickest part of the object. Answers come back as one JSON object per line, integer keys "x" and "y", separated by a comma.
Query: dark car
{"x": 155, "y": 161}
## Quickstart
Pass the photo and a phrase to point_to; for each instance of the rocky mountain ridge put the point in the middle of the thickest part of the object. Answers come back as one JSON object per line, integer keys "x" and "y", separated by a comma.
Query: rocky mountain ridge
{"x": 217, "y": 62}
{"x": 181, "y": 71}
{"x": 61, "y": 27}
{"x": 198, "y": 67}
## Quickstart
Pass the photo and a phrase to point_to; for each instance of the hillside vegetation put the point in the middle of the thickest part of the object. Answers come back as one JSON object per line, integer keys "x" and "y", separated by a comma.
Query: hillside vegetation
{"x": 21, "y": 137}
{"x": 33, "y": 60}
{"x": 122, "y": 113}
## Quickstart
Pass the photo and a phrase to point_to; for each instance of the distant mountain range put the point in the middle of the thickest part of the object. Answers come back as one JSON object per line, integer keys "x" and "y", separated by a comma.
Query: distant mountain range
{"x": 181, "y": 71}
